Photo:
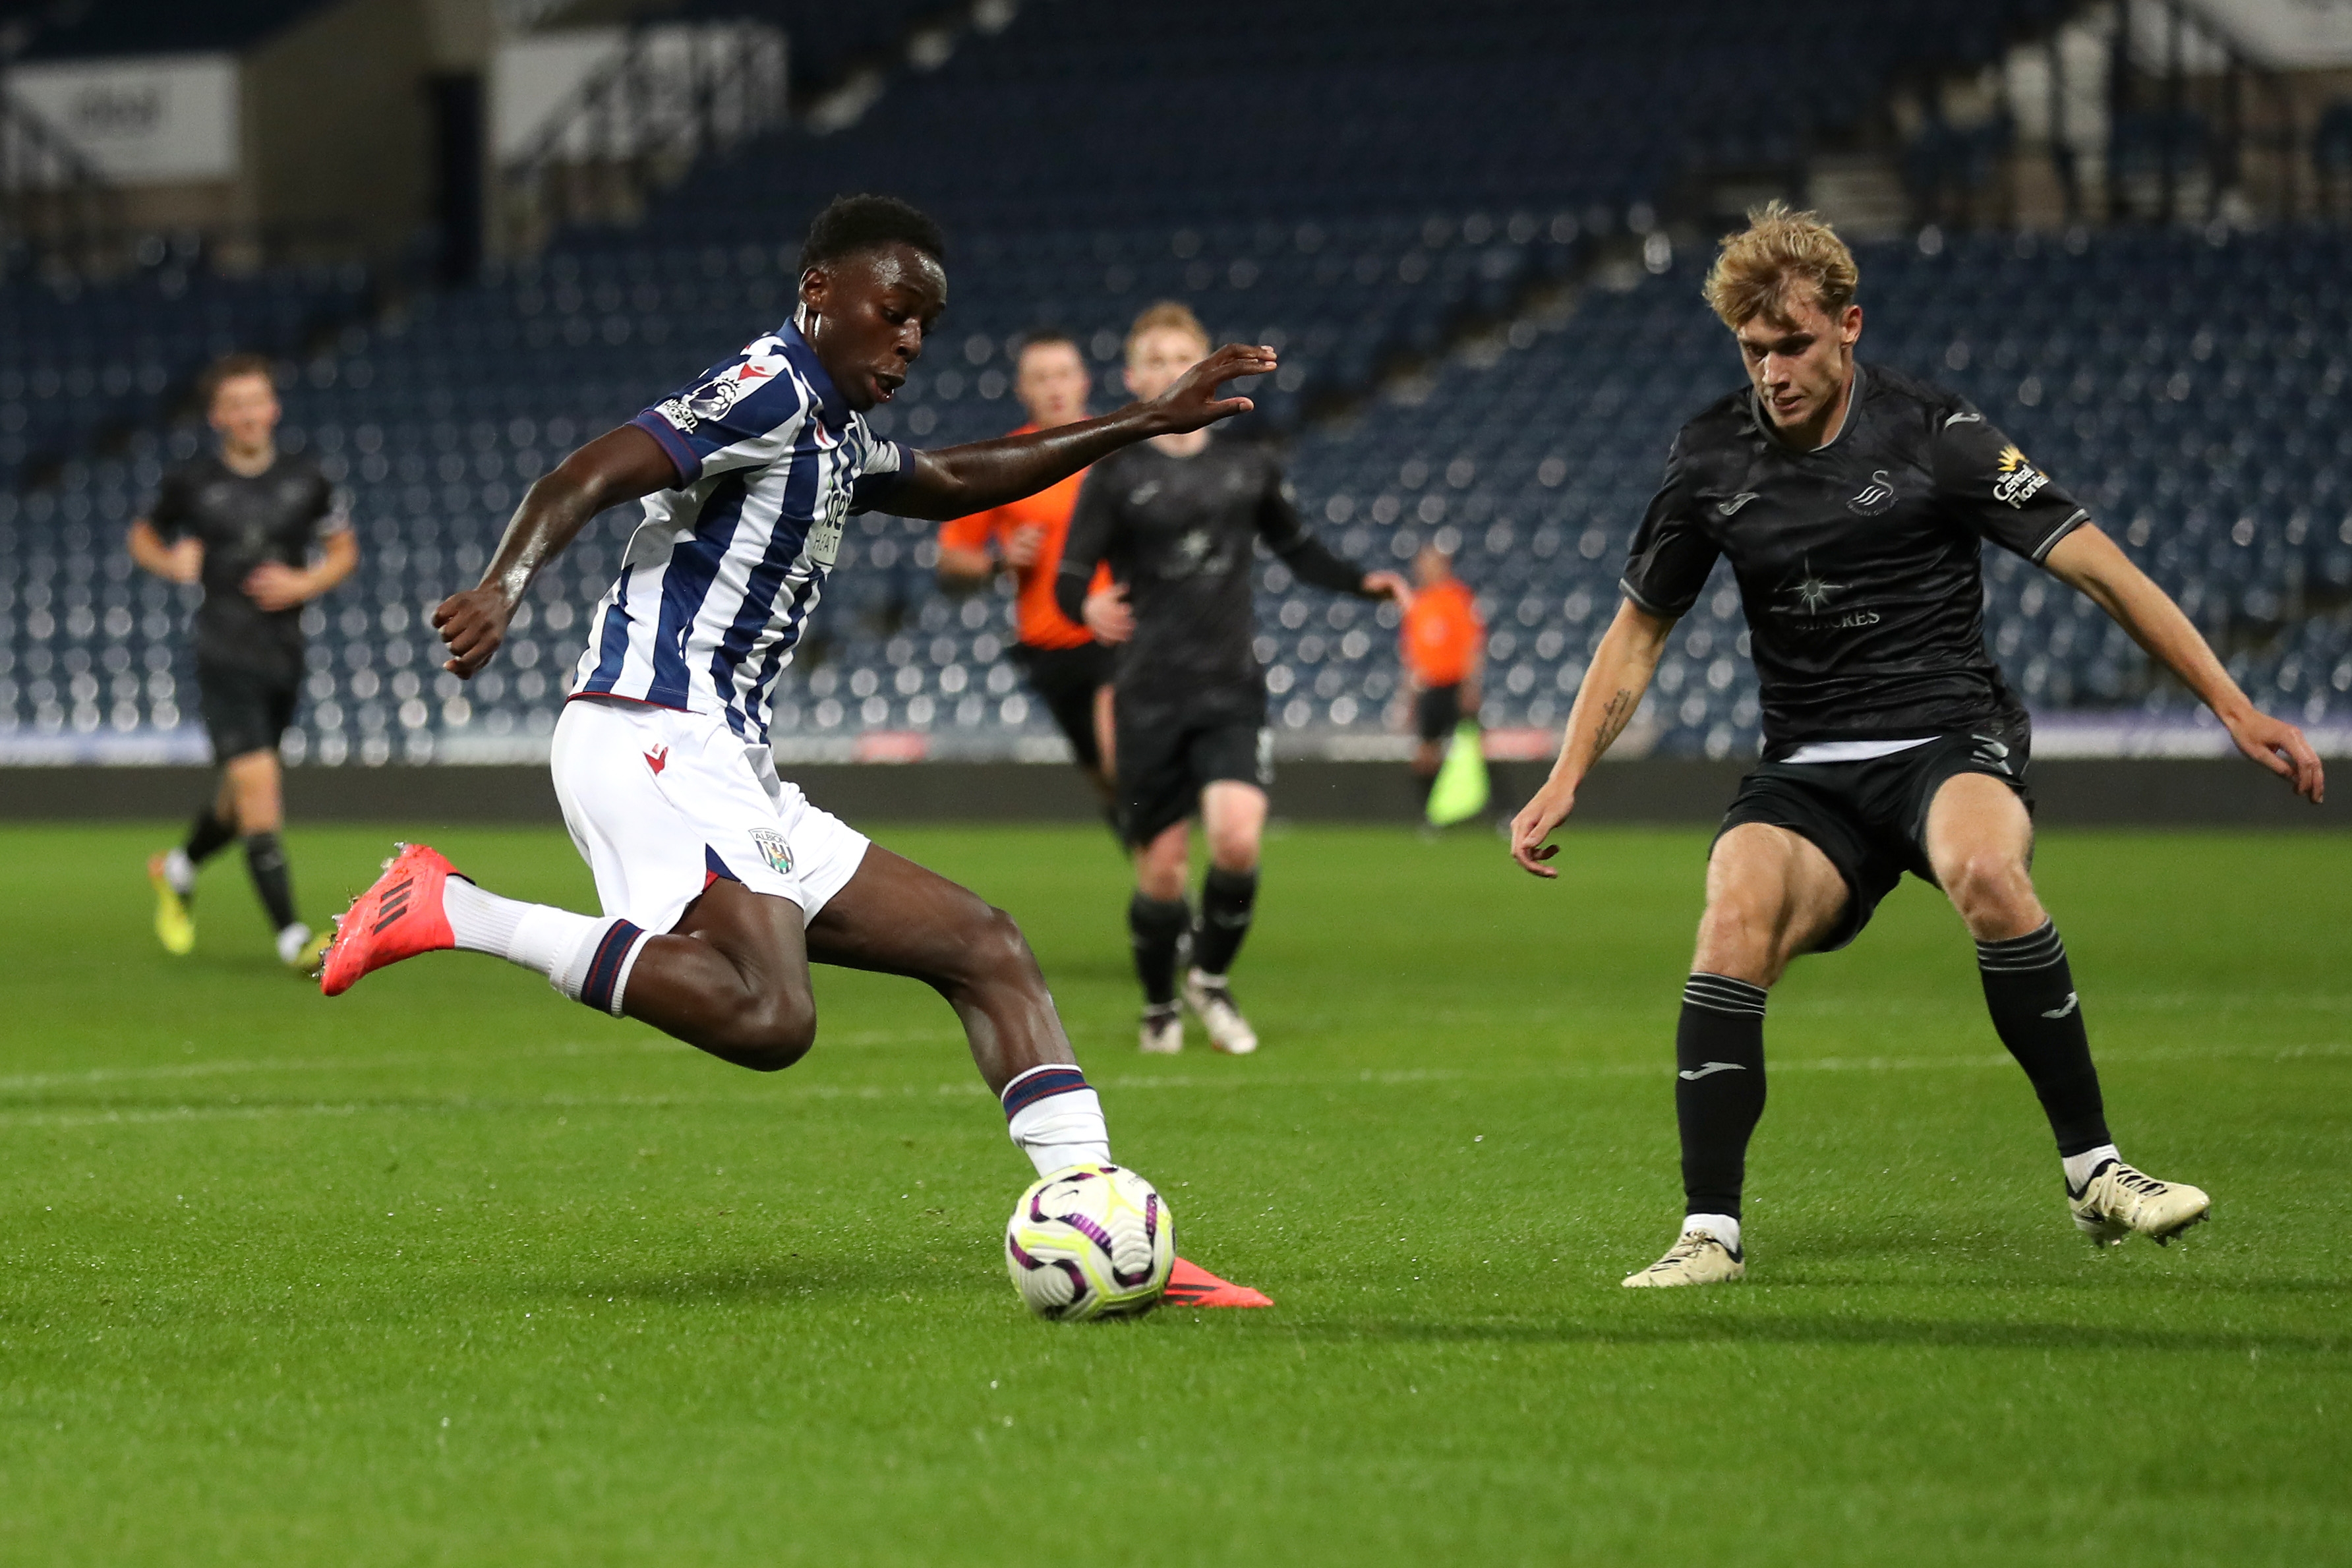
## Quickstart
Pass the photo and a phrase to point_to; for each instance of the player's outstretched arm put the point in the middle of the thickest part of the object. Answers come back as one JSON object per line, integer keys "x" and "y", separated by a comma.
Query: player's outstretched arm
{"x": 619, "y": 466}
{"x": 2091, "y": 561}
{"x": 956, "y": 480}
{"x": 1620, "y": 674}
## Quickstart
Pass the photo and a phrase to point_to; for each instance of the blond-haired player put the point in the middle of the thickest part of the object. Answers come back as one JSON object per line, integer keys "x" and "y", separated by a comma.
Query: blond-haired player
{"x": 1851, "y": 502}
{"x": 1178, "y": 518}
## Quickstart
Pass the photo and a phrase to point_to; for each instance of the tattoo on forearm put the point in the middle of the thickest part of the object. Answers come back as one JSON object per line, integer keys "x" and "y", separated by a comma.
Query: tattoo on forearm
{"x": 1613, "y": 720}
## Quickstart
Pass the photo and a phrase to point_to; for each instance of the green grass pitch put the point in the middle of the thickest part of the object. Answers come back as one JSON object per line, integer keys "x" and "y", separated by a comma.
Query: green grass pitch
{"x": 451, "y": 1271}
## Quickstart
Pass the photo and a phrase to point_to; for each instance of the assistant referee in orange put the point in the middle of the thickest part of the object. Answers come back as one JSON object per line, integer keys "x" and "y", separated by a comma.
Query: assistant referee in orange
{"x": 1069, "y": 671}
{"x": 1445, "y": 648}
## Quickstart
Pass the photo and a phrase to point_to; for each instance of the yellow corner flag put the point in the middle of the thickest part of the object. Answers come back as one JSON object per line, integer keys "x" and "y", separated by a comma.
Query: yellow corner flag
{"x": 1461, "y": 791}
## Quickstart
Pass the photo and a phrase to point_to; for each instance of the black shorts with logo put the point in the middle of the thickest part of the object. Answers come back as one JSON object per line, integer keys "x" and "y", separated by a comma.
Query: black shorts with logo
{"x": 244, "y": 710}
{"x": 1166, "y": 758}
{"x": 1436, "y": 712}
{"x": 1870, "y": 818}
{"x": 1065, "y": 681}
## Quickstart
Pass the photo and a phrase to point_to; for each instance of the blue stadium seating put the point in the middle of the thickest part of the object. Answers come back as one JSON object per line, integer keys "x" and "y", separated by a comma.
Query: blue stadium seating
{"x": 2189, "y": 386}
{"x": 86, "y": 359}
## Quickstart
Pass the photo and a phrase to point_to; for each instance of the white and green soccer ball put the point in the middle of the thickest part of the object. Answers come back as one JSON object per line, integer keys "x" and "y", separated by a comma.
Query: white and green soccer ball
{"x": 1090, "y": 1241}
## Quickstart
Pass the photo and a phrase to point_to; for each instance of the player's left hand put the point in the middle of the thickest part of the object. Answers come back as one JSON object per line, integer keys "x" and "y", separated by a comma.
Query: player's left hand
{"x": 2281, "y": 748}
{"x": 1389, "y": 585}
{"x": 273, "y": 585}
{"x": 473, "y": 625}
{"x": 1109, "y": 616}
{"x": 1192, "y": 402}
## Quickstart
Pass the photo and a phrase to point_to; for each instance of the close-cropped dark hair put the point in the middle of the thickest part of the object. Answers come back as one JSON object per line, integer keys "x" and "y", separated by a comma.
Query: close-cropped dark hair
{"x": 1041, "y": 337}
{"x": 853, "y": 224}
{"x": 228, "y": 367}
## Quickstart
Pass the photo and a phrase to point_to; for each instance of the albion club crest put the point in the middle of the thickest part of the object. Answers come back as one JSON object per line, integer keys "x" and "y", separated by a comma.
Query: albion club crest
{"x": 774, "y": 849}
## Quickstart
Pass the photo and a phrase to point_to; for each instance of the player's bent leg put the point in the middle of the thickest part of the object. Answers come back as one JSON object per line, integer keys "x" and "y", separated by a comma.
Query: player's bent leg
{"x": 1978, "y": 840}
{"x": 1158, "y": 925}
{"x": 1234, "y": 815}
{"x": 254, "y": 787}
{"x": 1771, "y": 893}
{"x": 732, "y": 979}
{"x": 173, "y": 874}
{"x": 254, "y": 780}
{"x": 895, "y": 917}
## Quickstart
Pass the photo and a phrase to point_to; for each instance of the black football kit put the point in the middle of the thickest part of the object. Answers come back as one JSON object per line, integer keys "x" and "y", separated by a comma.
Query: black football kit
{"x": 1188, "y": 698}
{"x": 249, "y": 659}
{"x": 1180, "y": 534}
{"x": 1860, "y": 569}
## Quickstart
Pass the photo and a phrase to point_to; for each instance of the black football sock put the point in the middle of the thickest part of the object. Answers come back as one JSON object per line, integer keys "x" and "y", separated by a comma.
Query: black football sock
{"x": 1425, "y": 783}
{"x": 1157, "y": 927}
{"x": 2030, "y": 990}
{"x": 207, "y": 836}
{"x": 1227, "y": 898}
{"x": 1718, "y": 1087}
{"x": 265, "y": 857}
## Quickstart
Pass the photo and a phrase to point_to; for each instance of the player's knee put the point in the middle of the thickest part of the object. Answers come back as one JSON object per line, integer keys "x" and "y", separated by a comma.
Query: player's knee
{"x": 1989, "y": 887}
{"x": 1737, "y": 936}
{"x": 768, "y": 1032}
{"x": 995, "y": 948}
{"x": 1237, "y": 852}
{"x": 1159, "y": 878}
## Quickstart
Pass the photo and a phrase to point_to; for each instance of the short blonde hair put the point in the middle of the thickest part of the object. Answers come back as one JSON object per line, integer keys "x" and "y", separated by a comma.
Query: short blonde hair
{"x": 1779, "y": 249}
{"x": 1166, "y": 316}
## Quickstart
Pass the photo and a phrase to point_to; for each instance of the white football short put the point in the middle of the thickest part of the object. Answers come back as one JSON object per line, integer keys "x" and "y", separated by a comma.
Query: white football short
{"x": 660, "y": 803}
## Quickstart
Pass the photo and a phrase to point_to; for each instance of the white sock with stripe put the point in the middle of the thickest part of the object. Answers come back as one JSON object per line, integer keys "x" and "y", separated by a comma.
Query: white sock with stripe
{"x": 564, "y": 946}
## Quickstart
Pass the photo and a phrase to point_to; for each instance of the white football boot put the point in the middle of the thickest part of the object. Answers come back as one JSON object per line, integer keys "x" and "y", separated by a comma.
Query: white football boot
{"x": 1212, "y": 999}
{"x": 2118, "y": 1200}
{"x": 1163, "y": 1029}
{"x": 1698, "y": 1258}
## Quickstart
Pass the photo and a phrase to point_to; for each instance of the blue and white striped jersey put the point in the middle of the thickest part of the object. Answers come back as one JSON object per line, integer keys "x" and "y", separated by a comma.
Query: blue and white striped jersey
{"x": 719, "y": 579}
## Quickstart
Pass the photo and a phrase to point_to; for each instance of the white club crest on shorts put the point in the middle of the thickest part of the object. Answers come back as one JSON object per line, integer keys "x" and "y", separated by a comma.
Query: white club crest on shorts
{"x": 774, "y": 849}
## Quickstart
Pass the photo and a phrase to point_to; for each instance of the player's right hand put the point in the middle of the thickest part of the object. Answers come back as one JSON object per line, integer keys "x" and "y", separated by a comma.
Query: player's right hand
{"x": 1109, "y": 616}
{"x": 1534, "y": 824}
{"x": 187, "y": 561}
{"x": 1022, "y": 548}
{"x": 1194, "y": 402}
{"x": 473, "y": 625}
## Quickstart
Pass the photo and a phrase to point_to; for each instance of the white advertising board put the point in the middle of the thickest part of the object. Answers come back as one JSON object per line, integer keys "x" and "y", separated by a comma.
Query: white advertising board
{"x": 144, "y": 120}
{"x": 2299, "y": 35}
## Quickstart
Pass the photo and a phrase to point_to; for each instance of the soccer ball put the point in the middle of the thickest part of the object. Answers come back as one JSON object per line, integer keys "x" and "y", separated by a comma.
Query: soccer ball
{"x": 1090, "y": 1241}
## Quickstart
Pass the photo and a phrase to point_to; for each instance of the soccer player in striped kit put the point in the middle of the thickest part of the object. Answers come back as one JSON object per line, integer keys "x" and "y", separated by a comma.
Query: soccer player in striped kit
{"x": 720, "y": 883}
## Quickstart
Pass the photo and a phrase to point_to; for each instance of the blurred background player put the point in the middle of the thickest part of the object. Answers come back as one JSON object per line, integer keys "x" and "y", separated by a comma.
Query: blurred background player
{"x": 263, "y": 531}
{"x": 1064, "y": 666}
{"x": 1444, "y": 645}
{"x": 1178, "y": 518}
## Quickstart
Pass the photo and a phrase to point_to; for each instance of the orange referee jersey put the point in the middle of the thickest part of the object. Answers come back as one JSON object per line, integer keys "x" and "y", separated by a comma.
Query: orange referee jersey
{"x": 1442, "y": 634}
{"x": 1042, "y": 622}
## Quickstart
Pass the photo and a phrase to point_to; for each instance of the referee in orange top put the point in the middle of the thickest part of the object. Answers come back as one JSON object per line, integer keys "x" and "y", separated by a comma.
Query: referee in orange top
{"x": 1444, "y": 654}
{"x": 1068, "y": 669}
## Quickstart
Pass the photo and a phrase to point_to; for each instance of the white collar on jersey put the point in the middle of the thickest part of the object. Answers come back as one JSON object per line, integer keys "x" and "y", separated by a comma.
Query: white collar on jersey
{"x": 832, "y": 410}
